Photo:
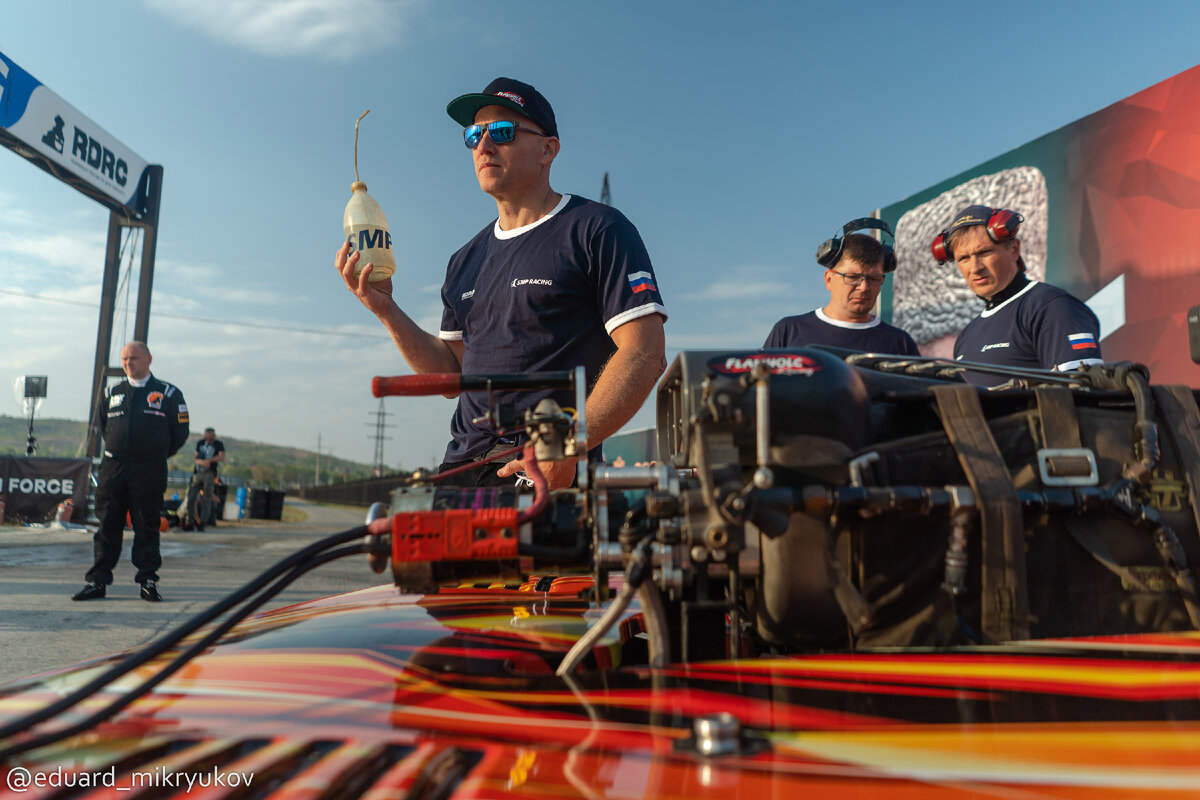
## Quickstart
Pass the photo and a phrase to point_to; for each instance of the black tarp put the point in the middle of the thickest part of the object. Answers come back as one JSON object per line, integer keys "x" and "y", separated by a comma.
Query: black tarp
{"x": 33, "y": 488}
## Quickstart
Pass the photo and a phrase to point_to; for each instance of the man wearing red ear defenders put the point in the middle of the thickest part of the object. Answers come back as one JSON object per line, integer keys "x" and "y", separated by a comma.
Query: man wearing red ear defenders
{"x": 1025, "y": 323}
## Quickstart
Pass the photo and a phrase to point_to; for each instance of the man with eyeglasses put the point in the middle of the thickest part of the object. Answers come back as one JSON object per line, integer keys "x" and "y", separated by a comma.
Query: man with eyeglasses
{"x": 556, "y": 281}
{"x": 855, "y": 267}
{"x": 1025, "y": 323}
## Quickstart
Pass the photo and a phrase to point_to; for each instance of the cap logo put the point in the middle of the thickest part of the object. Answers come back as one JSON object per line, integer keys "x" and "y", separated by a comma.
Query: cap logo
{"x": 968, "y": 219}
{"x": 516, "y": 98}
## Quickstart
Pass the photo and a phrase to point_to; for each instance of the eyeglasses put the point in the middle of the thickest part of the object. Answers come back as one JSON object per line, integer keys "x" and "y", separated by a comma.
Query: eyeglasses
{"x": 854, "y": 278}
{"x": 499, "y": 132}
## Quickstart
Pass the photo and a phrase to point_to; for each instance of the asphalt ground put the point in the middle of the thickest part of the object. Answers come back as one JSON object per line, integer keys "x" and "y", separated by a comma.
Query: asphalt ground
{"x": 42, "y": 628}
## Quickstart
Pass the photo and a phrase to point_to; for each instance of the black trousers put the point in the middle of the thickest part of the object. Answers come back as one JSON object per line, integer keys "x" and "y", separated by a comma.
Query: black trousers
{"x": 136, "y": 488}
{"x": 483, "y": 475}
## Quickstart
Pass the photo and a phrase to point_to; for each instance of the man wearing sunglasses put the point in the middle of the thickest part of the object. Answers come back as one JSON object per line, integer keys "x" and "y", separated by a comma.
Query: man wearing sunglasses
{"x": 854, "y": 275}
{"x": 556, "y": 281}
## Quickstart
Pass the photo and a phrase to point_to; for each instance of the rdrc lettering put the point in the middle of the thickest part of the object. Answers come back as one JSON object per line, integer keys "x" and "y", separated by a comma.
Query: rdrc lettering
{"x": 371, "y": 237}
{"x": 41, "y": 486}
{"x": 99, "y": 157}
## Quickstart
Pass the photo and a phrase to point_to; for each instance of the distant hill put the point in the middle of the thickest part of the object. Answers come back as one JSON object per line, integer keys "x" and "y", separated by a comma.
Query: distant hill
{"x": 257, "y": 463}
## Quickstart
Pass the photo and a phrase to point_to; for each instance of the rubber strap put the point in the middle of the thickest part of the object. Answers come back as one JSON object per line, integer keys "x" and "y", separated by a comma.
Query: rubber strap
{"x": 1060, "y": 426}
{"x": 1005, "y": 601}
{"x": 1177, "y": 406}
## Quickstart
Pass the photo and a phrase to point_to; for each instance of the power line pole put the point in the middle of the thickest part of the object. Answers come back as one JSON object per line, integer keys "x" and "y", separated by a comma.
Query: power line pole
{"x": 380, "y": 418}
{"x": 317, "y": 477}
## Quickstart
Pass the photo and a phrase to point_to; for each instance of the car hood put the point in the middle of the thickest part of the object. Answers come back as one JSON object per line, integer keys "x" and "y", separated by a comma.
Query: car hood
{"x": 453, "y": 694}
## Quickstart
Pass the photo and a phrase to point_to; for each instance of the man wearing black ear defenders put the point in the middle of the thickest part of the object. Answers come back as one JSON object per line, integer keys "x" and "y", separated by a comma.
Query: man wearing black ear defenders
{"x": 1026, "y": 323}
{"x": 855, "y": 267}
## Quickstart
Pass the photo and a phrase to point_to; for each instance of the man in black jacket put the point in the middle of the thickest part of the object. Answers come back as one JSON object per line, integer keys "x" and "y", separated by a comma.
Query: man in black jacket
{"x": 145, "y": 421}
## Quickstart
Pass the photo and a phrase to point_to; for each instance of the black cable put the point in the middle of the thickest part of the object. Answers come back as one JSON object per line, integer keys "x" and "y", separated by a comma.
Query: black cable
{"x": 170, "y": 640}
{"x": 183, "y": 658}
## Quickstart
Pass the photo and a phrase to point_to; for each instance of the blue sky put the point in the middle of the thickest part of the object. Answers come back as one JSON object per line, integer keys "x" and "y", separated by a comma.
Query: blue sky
{"x": 736, "y": 136}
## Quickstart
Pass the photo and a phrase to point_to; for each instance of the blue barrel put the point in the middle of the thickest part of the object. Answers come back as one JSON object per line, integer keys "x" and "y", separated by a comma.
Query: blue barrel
{"x": 241, "y": 501}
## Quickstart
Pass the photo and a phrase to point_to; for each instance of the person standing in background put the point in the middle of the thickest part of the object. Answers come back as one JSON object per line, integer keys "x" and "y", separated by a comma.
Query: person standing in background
{"x": 145, "y": 422}
{"x": 210, "y": 451}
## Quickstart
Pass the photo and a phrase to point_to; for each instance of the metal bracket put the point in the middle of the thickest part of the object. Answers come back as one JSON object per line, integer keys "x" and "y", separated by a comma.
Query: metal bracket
{"x": 1068, "y": 466}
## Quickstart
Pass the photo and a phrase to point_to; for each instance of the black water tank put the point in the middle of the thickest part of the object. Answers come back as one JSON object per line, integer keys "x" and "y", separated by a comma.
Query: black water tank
{"x": 256, "y": 504}
{"x": 274, "y": 506}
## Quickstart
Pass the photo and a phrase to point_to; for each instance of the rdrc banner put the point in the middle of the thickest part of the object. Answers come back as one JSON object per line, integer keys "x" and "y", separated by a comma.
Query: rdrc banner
{"x": 44, "y": 124}
{"x": 33, "y": 488}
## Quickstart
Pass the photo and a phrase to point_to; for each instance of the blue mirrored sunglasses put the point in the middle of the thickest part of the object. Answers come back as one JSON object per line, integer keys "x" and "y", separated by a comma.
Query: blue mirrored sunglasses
{"x": 498, "y": 132}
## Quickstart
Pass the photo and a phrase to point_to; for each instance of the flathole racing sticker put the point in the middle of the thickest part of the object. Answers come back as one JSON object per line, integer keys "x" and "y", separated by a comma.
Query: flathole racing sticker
{"x": 777, "y": 363}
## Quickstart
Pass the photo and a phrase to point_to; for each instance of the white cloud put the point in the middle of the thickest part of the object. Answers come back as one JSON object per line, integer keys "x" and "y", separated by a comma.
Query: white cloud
{"x": 279, "y": 386}
{"x": 268, "y": 386}
{"x": 738, "y": 290}
{"x": 746, "y": 281}
{"x": 52, "y": 255}
{"x": 333, "y": 29}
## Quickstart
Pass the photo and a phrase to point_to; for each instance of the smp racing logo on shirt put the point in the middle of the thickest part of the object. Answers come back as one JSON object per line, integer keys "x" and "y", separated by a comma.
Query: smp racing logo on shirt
{"x": 531, "y": 282}
{"x": 777, "y": 363}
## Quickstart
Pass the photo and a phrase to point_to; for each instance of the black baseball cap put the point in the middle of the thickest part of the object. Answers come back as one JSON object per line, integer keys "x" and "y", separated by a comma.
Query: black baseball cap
{"x": 520, "y": 97}
{"x": 969, "y": 217}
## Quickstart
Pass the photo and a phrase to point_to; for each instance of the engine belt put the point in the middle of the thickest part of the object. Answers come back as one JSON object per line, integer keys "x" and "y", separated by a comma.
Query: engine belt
{"x": 1005, "y": 601}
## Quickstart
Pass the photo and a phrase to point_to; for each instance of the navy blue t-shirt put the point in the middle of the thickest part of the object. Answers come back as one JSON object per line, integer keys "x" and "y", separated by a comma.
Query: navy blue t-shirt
{"x": 1040, "y": 327}
{"x": 815, "y": 327}
{"x": 542, "y": 297}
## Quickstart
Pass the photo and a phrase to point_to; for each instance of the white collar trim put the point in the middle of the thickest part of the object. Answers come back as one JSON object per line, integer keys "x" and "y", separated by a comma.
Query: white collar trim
{"x": 989, "y": 312}
{"x": 851, "y": 325}
{"x": 515, "y": 232}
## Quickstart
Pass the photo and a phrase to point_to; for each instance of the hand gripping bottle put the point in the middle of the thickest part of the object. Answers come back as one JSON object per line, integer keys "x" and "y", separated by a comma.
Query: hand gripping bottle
{"x": 366, "y": 227}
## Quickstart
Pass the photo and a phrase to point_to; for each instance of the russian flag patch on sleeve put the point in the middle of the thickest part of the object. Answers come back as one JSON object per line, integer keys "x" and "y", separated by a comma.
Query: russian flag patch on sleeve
{"x": 642, "y": 281}
{"x": 1081, "y": 341}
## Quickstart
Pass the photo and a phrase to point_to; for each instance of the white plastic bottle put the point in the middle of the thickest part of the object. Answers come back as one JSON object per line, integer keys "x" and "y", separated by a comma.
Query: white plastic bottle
{"x": 366, "y": 227}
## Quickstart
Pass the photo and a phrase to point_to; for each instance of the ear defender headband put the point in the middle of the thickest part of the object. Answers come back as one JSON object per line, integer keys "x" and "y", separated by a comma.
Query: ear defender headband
{"x": 831, "y": 249}
{"x": 1002, "y": 225}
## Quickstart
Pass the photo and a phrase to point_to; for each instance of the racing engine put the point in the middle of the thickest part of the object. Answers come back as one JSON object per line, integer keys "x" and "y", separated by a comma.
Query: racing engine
{"x": 797, "y": 502}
